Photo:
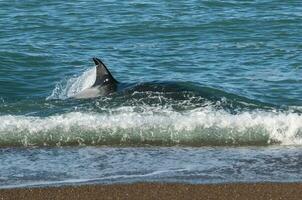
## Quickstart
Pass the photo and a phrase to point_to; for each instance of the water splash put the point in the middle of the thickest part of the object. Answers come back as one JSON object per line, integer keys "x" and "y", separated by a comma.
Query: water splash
{"x": 66, "y": 89}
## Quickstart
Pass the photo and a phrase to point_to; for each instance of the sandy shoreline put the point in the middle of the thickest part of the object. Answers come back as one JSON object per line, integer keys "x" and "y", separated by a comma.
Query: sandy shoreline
{"x": 160, "y": 191}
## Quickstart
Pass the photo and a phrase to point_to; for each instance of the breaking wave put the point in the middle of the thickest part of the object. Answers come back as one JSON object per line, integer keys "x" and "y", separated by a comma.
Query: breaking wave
{"x": 125, "y": 127}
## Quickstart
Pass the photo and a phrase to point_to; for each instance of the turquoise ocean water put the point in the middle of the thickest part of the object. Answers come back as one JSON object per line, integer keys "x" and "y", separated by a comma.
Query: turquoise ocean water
{"x": 211, "y": 92}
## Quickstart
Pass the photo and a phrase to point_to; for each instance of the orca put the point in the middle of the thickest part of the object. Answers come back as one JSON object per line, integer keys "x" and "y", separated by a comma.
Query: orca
{"x": 104, "y": 83}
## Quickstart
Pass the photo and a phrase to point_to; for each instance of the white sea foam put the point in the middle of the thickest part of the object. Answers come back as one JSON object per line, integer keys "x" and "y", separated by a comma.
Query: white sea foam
{"x": 196, "y": 127}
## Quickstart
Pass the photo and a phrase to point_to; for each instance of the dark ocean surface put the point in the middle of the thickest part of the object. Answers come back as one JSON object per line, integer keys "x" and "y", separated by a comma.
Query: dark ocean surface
{"x": 211, "y": 92}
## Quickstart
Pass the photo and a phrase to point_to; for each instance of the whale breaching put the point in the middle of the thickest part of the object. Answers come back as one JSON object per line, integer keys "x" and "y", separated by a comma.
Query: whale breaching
{"x": 104, "y": 83}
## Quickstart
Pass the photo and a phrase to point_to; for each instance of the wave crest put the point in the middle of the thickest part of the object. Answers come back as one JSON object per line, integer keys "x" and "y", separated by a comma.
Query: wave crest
{"x": 198, "y": 127}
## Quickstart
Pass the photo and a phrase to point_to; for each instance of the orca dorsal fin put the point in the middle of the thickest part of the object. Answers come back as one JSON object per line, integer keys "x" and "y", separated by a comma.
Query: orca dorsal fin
{"x": 103, "y": 75}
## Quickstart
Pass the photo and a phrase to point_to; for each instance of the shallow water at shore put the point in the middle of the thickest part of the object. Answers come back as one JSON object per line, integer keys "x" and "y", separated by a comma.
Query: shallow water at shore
{"x": 94, "y": 165}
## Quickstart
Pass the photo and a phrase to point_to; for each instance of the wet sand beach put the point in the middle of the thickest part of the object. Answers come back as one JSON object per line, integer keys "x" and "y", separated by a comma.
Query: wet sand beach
{"x": 160, "y": 191}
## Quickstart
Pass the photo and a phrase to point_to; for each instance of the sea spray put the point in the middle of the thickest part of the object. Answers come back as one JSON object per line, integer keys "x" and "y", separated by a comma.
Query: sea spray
{"x": 74, "y": 85}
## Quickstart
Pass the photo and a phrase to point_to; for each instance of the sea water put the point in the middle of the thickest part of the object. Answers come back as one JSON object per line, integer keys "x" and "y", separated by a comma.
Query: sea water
{"x": 211, "y": 92}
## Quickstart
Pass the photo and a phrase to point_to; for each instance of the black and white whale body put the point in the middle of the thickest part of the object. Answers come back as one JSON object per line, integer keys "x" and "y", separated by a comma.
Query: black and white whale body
{"x": 104, "y": 83}
{"x": 168, "y": 92}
